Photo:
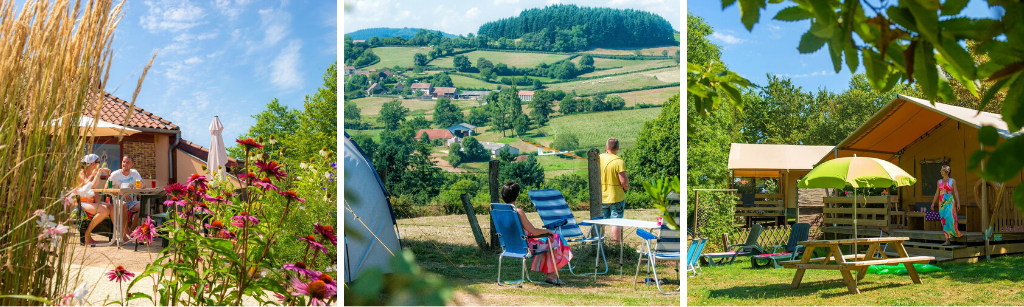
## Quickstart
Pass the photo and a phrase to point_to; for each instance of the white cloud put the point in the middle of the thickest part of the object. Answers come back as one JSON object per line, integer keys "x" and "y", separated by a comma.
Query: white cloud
{"x": 813, "y": 74}
{"x": 774, "y": 32}
{"x": 209, "y": 35}
{"x": 275, "y": 25}
{"x": 553, "y": 2}
{"x": 229, "y": 9}
{"x": 193, "y": 60}
{"x": 403, "y": 15}
{"x": 617, "y": 2}
{"x": 500, "y": 2}
{"x": 173, "y": 16}
{"x": 473, "y": 12}
{"x": 370, "y": 11}
{"x": 285, "y": 68}
{"x": 726, "y": 38}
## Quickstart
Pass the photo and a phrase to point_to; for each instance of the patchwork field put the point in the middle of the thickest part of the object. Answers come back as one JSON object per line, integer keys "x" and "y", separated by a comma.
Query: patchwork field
{"x": 655, "y": 96}
{"x": 509, "y": 58}
{"x": 621, "y": 82}
{"x": 648, "y": 51}
{"x": 463, "y": 82}
{"x": 391, "y": 56}
{"x": 594, "y": 129}
{"x": 370, "y": 106}
{"x": 627, "y": 65}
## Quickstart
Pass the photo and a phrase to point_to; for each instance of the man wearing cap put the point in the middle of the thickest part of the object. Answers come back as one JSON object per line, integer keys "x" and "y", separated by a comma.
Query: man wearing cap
{"x": 127, "y": 175}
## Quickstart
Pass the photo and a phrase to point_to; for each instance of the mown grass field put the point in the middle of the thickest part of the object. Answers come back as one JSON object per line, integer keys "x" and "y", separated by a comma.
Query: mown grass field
{"x": 594, "y": 129}
{"x": 369, "y": 107}
{"x": 391, "y": 56}
{"x": 656, "y": 96}
{"x": 464, "y": 82}
{"x": 647, "y": 51}
{"x": 997, "y": 282}
{"x": 621, "y": 82}
{"x": 627, "y": 65}
{"x": 443, "y": 245}
{"x": 517, "y": 59}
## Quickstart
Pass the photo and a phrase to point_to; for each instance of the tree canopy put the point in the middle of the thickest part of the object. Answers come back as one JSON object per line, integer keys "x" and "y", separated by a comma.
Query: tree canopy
{"x": 563, "y": 27}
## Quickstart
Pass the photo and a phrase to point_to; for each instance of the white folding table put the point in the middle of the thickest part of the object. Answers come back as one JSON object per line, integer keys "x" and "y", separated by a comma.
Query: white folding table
{"x": 623, "y": 223}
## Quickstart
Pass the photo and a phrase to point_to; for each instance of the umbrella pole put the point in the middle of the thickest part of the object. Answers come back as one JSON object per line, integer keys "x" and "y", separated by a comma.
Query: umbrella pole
{"x": 855, "y": 219}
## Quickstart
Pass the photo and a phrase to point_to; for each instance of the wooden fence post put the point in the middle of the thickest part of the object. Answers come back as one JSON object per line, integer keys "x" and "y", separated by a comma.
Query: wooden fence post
{"x": 471, "y": 214}
{"x": 594, "y": 180}
{"x": 492, "y": 180}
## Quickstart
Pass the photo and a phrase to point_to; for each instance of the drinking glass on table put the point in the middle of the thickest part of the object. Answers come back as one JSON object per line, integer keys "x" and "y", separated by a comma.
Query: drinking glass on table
{"x": 138, "y": 183}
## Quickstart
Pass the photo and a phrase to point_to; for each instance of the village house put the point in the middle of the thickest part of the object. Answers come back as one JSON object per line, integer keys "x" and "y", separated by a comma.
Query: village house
{"x": 446, "y": 92}
{"x": 374, "y": 88}
{"x": 159, "y": 152}
{"x": 426, "y": 88}
{"x": 475, "y": 94}
{"x": 349, "y": 70}
{"x": 399, "y": 86}
{"x": 434, "y": 134}
{"x": 526, "y": 95}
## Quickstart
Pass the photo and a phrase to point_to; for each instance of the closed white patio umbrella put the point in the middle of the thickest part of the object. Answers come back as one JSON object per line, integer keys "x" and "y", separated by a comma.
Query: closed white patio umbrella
{"x": 218, "y": 154}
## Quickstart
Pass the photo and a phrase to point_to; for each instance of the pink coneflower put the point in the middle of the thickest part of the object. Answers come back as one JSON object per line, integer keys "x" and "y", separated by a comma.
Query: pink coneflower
{"x": 197, "y": 181}
{"x": 291, "y": 194}
{"x": 300, "y": 267}
{"x": 271, "y": 168}
{"x": 175, "y": 189}
{"x": 327, "y": 232}
{"x": 280, "y": 297}
{"x": 316, "y": 290}
{"x": 249, "y": 177}
{"x": 332, "y": 286}
{"x": 249, "y": 143}
{"x": 311, "y": 242}
{"x": 242, "y": 219}
{"x": 225, "y": 234}
{"x": 216, "y": 199}
{"x": 265, "y": 184}
{"x": 145, "y": 232}
{"x": 173, "y": 201}
{"x": 120, "y": 274}
{"x": 215, "y": 225}
{"x": 201, "y": 208}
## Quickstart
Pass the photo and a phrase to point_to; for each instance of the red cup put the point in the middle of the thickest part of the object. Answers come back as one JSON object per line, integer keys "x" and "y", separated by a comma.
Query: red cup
{"x": 153, "y": 183}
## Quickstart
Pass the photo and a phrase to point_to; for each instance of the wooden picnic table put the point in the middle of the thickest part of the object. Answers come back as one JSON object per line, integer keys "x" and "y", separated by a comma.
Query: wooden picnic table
{"x": 855, "y": 262}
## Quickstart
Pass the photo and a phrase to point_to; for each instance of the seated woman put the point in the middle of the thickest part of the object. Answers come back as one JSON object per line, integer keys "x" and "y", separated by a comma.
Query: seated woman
{"x": 542, "y": 262}
{"x": 89, "y": 177}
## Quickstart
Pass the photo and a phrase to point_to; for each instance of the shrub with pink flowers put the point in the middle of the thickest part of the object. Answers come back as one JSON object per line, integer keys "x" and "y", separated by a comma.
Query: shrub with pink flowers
{"x": 258, "y": 240}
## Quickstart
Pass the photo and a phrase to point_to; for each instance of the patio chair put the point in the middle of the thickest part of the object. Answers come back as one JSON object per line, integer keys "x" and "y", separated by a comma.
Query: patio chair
{"x": 748, "y": 248}
{"x": 790, "y": 251}
{"x": 666, "y": 247}
{"x": 696, "y": 248}
{"x": 513, "y": 240}
{"x": 553, "y": 210}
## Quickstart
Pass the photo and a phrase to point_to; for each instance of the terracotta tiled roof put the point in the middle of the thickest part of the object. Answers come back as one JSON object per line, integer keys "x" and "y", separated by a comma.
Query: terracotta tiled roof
{"x": 444, "y": 90}
{"x": 200, "y": 152}
{"x": 527, "y": 93}
{"x": 399, "y": 85}
{"x": 350, "y": 67}
{"x": 115, "y": 109}
{"x": 434, "y": 134}
{"x": 420, "y": 85}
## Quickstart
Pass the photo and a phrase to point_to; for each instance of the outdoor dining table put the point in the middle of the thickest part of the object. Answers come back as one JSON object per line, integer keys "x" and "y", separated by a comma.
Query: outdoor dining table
{"x": 855, "y": 262}
{"x": 117, "y": 217}
{"x": 623, "y": 223}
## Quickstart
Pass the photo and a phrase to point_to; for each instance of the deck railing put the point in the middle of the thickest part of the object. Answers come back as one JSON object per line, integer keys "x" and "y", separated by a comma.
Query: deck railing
{"x": 1007, "y": 218}
{"x": 872, "y": 211}
{"x": 763, "y": 205}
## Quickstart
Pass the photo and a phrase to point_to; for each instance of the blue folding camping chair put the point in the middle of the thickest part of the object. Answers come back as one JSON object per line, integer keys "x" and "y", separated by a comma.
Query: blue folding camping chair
{"x": 513, "y": 241}
{"x": 666, "y": 247}
{"x": 696, "y": 248}
{"x": 553, "y": 209}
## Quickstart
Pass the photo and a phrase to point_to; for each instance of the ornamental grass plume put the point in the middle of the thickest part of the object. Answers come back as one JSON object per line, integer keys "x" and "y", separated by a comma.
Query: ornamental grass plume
{"x": 53, "y": 67}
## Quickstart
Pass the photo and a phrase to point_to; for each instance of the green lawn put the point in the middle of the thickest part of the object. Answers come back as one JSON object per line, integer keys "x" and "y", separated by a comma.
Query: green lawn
{"x": 646, "y": 51}
{"x": 627, "y": 65}
{"x": 621, "y": 82}
{"x": 517, "y": 59}
{"x": 391, "y": 56}
{"x": 655, "y": 96}
{"x": 996, "y": 282}
{"x": 370, "y": 106}
{"x": 375, "y": 133}
{"x": 444, "y": 245}
{"x": 463, "y": 82}
{"x": 594, "y": 129}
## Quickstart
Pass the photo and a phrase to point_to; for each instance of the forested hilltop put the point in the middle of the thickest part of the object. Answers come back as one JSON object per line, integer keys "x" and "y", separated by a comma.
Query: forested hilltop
{"x": 406, "y": 33}
{"x": 572, "y": 28}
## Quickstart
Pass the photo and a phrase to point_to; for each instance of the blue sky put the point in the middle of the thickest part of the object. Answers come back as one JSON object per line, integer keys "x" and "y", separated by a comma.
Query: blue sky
{"x": 222, "y": 57}
{"x": 463, "y": 17}
{"x": 771, "y": 47}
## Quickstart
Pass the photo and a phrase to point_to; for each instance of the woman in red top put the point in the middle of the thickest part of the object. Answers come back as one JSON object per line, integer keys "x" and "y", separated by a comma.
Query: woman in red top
{"x": 949, "y": 204}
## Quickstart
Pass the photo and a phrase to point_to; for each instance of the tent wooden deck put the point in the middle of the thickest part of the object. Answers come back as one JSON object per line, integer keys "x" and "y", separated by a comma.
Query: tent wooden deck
{"x": 786, "y": 163}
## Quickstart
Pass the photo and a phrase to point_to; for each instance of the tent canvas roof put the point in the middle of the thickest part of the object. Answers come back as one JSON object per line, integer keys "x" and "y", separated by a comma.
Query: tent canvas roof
{"x": 765, "y": 160}
{"x": 904, "y": 120}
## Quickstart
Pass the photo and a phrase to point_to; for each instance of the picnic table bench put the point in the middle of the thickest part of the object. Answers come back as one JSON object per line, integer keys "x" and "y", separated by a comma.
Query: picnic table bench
{"x": 853, "y": 262}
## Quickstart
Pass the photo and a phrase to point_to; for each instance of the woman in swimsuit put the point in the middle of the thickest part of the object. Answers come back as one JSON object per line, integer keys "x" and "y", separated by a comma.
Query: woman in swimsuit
{"x": 90, "y": 176}
{"x": 949, "y": 204}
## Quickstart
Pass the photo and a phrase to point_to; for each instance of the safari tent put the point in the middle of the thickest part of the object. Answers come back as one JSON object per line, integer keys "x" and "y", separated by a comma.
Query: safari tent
{"x": 920, "y": 136}
{"x": 374, "y": 236}
{"x": 784, "y": 164}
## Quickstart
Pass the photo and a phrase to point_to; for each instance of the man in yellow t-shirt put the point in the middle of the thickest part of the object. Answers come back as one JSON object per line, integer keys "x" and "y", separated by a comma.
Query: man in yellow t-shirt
{"x": 613, "y": 185}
